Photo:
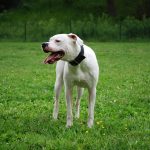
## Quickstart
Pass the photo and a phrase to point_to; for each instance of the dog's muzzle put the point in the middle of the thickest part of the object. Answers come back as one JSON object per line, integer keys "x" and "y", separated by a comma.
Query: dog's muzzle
{"x": 44, "y": 46}
{"x": 54, "y": 55}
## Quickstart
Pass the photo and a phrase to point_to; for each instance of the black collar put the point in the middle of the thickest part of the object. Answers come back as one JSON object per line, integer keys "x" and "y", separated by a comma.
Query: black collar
{"x": 79, "y": 58}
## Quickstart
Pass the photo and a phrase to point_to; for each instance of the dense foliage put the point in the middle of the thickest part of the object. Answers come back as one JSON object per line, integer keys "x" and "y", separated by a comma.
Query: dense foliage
{"x": 115, "y": 8}
{"x": 104, "y": 29}
{"x": 27, "y": 20}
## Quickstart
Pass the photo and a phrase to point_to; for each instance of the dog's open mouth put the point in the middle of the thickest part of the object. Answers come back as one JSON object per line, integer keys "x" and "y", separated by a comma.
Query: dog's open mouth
{"x": 53, "y": 57}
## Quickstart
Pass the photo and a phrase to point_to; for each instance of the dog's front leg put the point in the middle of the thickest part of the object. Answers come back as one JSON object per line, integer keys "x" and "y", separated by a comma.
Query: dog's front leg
{"x": 79, "y": 94}
{"x": 58, "y": 86}
{"x": 69, "y": 107}
{"x": 92, "y": 97}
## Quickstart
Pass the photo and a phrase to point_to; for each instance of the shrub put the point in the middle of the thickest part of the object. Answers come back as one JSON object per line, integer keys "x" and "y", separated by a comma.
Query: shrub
{"x": 102, "y": 29}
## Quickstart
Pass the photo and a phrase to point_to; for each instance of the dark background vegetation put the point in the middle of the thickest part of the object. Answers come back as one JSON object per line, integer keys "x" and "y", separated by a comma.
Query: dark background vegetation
{"x": 101, "y": 20}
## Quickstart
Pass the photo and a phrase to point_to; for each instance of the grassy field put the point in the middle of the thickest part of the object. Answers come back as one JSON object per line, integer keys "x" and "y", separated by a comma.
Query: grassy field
{"x": 122, "y": 112}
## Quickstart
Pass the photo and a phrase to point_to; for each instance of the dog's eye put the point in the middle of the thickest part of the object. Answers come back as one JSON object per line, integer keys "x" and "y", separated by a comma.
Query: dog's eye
{"x": 57, "y": 41}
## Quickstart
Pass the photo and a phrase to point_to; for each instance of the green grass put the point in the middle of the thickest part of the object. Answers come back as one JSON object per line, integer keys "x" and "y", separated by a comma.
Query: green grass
{"x": 122, "y": 112}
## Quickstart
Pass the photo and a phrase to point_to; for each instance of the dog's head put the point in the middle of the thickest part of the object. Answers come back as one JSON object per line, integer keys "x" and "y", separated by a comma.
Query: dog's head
{"x": 61, "y": 46}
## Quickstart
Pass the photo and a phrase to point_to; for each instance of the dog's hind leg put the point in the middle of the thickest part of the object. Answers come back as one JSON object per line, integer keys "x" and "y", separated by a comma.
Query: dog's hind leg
{"x": 58, "y": 87}
{"x": 68, "y": 91}
{"x": 79, "y": 94}
{"x": 92, "y": 97}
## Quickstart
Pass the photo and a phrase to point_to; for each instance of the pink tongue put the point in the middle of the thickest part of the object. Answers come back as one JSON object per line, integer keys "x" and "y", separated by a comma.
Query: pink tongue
{"x": 52, "y": 58}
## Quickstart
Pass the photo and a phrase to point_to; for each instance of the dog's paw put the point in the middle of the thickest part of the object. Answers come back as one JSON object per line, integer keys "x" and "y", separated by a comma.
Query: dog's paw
{"x": 69, "y": 123}
{"x": 90, "y": 123}
{"x": 55, "y": 116}
{"x": 77, "y": 116}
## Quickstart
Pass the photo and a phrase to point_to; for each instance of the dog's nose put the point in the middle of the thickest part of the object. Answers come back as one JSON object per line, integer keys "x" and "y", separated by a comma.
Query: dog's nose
{"x": 44, "y": 45}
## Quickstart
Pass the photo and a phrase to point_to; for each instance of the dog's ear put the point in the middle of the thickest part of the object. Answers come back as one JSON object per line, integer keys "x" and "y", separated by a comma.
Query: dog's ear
{"x": 73, "y": 36}
{"x": 76, "y": 38}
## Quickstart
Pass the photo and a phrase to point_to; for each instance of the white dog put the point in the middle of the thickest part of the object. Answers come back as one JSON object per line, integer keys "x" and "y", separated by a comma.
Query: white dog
{"x": 78, "y": 66}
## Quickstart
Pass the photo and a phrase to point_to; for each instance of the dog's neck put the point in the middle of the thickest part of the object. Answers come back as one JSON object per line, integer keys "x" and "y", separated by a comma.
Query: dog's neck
{"x": 79, "y": 58}
{"x": 72, "y": 53}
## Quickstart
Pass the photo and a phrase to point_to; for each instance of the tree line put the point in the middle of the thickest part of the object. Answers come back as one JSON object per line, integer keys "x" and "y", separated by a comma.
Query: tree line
{"x": 118, "y": 9}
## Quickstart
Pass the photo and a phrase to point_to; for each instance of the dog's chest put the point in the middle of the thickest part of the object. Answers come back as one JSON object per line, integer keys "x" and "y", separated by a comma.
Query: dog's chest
{"x": 80, "y": 76}
{"x": 80, "y": 79}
